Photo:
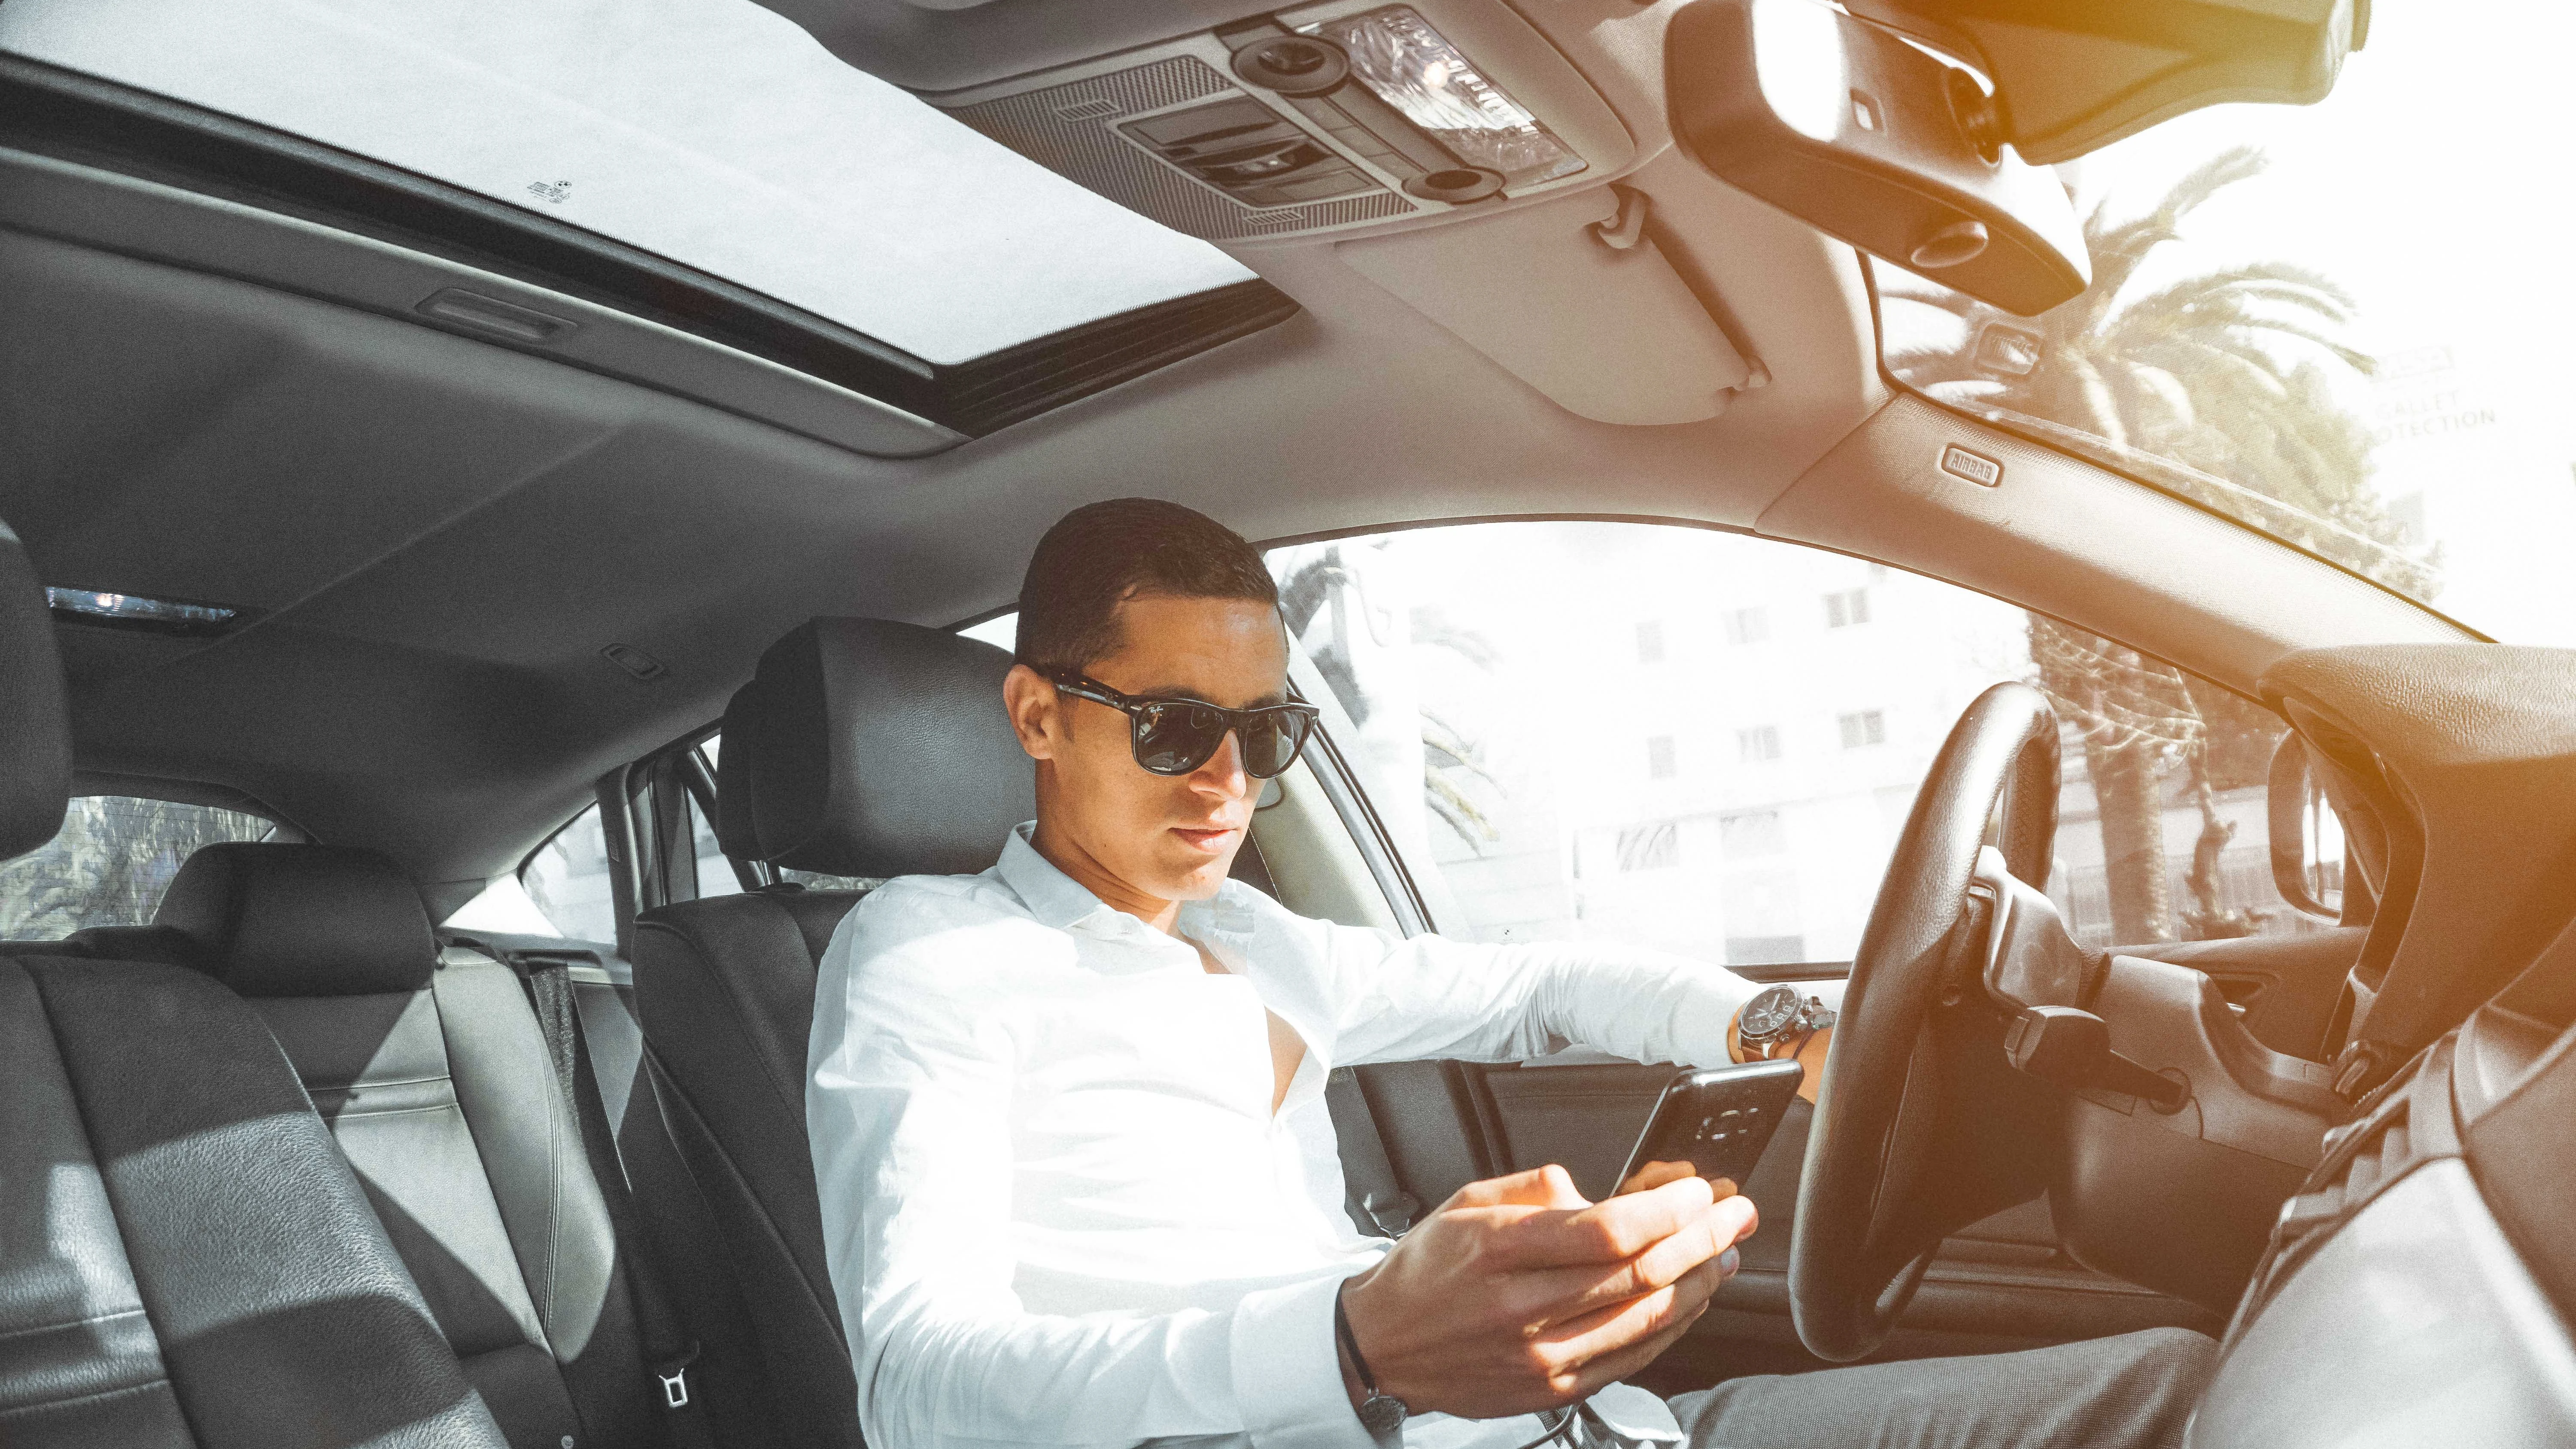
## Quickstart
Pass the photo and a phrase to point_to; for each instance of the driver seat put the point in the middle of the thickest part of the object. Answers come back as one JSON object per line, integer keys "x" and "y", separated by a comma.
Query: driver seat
{"x": 862, "y": 748}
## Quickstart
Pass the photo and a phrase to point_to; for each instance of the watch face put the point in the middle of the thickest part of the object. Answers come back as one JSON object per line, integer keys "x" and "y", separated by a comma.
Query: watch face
{"x": 1767, "y": 1014}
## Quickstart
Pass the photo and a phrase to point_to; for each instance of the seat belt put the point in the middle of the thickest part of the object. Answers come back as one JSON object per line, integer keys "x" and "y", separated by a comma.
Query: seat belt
{"x": 668, "y": 1349}
{"x": 1373, "y": 1196}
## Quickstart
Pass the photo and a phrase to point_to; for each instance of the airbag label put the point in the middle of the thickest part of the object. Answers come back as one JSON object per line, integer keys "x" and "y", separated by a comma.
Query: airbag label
{"x": 1976, "y": 468}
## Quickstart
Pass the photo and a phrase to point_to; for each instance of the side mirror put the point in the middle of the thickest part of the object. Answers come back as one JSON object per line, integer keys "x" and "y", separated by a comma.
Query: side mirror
{"x": 1874, "y": 139}
{"x": 2307, "y": 834}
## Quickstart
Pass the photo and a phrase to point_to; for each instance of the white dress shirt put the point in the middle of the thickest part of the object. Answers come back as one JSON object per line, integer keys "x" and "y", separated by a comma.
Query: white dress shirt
{"x": 1057, "y": 1206}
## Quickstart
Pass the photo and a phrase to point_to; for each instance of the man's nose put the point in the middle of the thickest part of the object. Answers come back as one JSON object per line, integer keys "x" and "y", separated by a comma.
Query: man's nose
{"x": 1223, "y": 773}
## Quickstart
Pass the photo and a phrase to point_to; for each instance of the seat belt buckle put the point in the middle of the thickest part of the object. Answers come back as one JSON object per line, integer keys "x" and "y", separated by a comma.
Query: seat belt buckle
{"x": 675, "y": 1379}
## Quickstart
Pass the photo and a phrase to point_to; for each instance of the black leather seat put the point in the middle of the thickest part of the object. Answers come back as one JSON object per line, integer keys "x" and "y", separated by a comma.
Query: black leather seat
{"x": 861, "y": 748}
{"x": 433, "y": 1074}
{"x": 185, "y": 1258}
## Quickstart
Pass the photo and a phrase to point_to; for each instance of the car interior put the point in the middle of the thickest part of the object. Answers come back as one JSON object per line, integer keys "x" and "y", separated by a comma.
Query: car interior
{"x": 388, "y": 561}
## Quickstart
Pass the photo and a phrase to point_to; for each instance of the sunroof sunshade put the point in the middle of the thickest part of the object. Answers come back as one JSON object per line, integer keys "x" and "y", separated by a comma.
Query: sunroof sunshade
{"x": 711, "y": 132}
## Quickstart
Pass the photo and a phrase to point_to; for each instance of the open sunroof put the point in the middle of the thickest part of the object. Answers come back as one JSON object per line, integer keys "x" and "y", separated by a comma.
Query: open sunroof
{"x": 718, "y": 136}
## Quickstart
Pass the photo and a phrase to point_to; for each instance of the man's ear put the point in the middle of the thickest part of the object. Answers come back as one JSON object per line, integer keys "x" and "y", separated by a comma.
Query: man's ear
{"x": 1036, "y": 710}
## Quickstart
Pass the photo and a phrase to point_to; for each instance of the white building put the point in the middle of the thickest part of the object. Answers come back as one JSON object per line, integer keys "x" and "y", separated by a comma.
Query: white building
{"x": 1691, "y": 739}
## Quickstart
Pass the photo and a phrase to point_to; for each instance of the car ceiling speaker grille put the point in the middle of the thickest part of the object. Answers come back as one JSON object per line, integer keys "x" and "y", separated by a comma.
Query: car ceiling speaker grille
{"x": 1071, "y": 129}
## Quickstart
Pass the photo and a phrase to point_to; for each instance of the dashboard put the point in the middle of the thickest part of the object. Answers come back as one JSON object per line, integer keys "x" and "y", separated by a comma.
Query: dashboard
{"x": 2417, "y": 1287}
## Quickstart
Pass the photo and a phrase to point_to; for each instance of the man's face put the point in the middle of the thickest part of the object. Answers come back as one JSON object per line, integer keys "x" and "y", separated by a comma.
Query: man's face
{"x": 1101, "y": 814}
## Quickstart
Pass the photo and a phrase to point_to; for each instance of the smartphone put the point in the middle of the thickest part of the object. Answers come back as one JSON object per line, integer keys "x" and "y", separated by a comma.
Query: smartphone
{"x": 1718, "y": 1120}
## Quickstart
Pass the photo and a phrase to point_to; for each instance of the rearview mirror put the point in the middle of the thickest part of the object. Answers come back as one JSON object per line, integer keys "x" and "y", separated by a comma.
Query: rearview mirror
{"x": 2307, "y": 834}
{"x": 1874, "y": 139}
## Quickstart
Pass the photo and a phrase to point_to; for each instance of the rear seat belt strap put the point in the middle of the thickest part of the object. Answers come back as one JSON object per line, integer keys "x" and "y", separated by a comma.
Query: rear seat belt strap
{"x": 668, "y": 1350}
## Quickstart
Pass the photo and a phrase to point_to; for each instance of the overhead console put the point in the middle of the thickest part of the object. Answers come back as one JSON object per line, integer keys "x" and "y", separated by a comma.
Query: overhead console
{"x": 1445, "y": 147}
{"x": 1316, "y": 119}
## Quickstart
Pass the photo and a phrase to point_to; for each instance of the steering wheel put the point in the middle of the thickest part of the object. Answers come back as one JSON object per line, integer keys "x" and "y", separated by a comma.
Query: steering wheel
{"x": 1912, "y": 1133}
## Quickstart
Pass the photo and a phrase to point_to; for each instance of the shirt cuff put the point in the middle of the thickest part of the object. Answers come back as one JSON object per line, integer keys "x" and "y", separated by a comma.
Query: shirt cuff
{"x": 1288, "y": 1370}
{"x": 1699, "y": 1027}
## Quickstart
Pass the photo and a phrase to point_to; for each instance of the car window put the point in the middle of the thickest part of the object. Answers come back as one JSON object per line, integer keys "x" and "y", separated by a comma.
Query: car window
{"x": 568, "y": 880}
{"x": 718, "y": 136}
{"x": 1708, "y": 742}
{"x": 111, "y": 863}
{"x": 2336, "y": 319}
{"x": 715, "y": 872}
{"x": 1002, "y": 631}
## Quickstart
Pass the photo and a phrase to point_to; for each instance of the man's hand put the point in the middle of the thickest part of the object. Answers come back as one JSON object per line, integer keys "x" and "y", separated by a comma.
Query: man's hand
{"x": 1518, "y": 1295}
{"x": 1656, "y": 1174}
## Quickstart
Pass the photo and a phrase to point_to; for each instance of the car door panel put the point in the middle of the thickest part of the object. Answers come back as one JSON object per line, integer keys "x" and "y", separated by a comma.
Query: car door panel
{"x": 1998, "y": 1284}
{"x": 2288, "y": 986}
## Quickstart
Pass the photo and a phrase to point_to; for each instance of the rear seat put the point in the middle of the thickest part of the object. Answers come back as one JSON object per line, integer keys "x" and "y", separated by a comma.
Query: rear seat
{"x": 185, "y": 1259}
{"x": 434, "y": 1076}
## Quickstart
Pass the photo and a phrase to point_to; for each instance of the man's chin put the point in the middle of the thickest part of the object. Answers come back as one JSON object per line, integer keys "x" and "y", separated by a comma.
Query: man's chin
{"x": 1192, "y": 874}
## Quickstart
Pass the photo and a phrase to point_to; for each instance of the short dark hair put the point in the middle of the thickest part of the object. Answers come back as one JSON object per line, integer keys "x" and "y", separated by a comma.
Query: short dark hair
{"x": 1102, "y": 554}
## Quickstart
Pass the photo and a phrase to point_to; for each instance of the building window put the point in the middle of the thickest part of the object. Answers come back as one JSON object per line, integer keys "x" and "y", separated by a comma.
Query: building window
{"x": 1650, "y": 847}
{"x": 1749, "y": 834}
{"x": 1863, "y": 729}
{"x": 1762, "y": 742}
{"x": 1650, "y": 642}
{"x": 1847, "y": 608}
{"x": 2408, "y": 514}
{"x": 1659, "y": 758}
{"x": 1747, "y": 626}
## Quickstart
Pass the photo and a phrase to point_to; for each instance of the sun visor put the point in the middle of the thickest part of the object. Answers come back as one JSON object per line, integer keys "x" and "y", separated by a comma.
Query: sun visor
{"x": 1572, "y": 297}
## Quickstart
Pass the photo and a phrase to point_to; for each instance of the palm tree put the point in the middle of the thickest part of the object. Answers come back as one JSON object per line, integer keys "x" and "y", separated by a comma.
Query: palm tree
{"x": 2231, "y": 374}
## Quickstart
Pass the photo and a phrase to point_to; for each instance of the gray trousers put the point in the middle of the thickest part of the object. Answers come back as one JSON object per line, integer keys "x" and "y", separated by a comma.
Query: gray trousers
{"x": 2135, "y": 1391}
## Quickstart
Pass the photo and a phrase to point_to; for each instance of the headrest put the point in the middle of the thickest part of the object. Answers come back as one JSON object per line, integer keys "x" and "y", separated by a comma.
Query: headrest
{"x": 35, "y": 727}
{"x": 881, "y": 749}
{"x": 273, "y": 919}
{"x": 737, "y": 828}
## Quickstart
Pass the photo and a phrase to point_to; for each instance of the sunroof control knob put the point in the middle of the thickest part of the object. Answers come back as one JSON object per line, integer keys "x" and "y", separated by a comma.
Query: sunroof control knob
{"x": 1456, "y": 185}
{"x": 1294, "y": 65}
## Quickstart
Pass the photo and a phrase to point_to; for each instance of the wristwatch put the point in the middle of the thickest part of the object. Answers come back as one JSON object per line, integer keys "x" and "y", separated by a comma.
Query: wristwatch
{"x": 1381, "y": 1413}
{"x": 1778, "y": 1015}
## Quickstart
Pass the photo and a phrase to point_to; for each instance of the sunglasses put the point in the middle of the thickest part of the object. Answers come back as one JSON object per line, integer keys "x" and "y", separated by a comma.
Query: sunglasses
{"x": 1176, "y": 736}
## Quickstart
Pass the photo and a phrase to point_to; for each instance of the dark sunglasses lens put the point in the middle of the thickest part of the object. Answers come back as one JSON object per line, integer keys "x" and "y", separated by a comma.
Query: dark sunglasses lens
{"x": 1174, "y": 739}
{"x": 1270, "y": 746}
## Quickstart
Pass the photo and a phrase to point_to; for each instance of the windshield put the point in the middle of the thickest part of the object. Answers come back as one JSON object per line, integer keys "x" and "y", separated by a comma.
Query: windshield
{"x": 715, "y": 133}
{"x": 2338, "y": 319}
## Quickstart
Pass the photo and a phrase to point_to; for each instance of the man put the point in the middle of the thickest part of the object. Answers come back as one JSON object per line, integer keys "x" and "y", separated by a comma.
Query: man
{"x": 1078, "y": 1182}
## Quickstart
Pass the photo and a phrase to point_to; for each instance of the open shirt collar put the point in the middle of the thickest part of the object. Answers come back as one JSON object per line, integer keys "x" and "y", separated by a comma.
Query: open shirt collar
{"x": 1058, "y": 900}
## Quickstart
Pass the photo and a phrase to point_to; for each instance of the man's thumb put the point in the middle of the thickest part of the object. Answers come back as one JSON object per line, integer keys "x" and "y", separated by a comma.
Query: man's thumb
{"x": 1542, "y": 1187}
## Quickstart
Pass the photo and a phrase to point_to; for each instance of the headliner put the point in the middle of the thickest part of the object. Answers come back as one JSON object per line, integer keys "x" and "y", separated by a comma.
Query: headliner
{"x": 446, "y": 532}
